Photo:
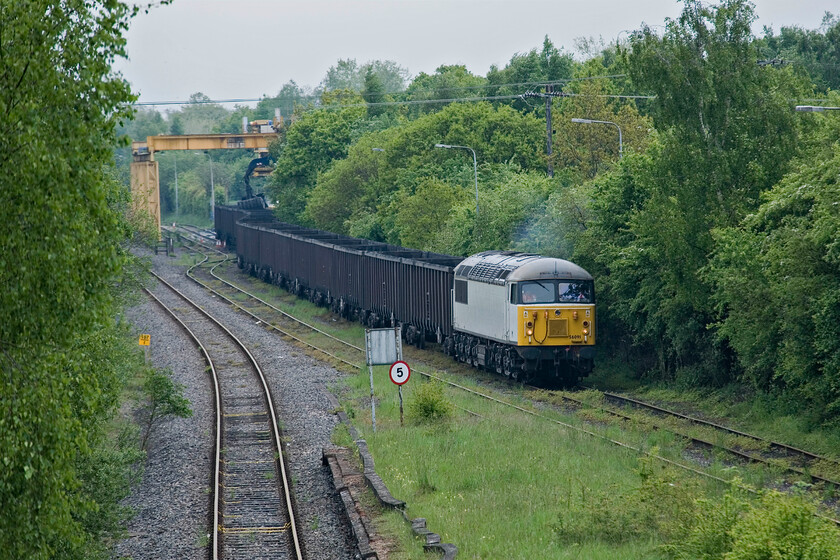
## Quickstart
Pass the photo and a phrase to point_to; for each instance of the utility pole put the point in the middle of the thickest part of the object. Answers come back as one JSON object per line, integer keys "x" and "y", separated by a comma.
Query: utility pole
{"x": 548, "y": 132}
{"x": 548, "y": 95}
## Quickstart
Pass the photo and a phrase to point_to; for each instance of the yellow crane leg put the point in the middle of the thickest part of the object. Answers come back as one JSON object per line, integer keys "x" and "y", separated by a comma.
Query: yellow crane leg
{"x": 145, "y": 194}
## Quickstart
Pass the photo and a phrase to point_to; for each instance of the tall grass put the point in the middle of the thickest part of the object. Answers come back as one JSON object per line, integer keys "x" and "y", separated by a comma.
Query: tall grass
{"x": 506, "y": 485}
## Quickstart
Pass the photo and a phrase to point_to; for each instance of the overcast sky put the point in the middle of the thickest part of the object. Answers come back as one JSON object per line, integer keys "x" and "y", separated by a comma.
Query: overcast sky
{"x": 249, "y": 48}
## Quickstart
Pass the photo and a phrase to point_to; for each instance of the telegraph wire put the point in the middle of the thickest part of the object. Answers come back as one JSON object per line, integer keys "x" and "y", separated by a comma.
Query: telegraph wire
{"x": 559, "y": 82}
{"x": 395, "y": 103}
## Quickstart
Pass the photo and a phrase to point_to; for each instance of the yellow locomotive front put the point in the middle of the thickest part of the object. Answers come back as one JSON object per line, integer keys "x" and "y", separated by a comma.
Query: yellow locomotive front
{"x": 555, "y": 322}
{"x": 556, "y": 312}
{"x": 524, "y": 315}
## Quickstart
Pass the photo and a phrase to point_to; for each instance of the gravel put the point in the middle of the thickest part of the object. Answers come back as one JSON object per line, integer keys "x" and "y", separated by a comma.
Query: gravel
{"x": 173, "y": 499}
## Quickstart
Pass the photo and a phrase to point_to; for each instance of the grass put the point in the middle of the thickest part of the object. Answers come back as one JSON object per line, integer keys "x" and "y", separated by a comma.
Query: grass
{"x": 202, "y": 220}
{"x": 497, "y": 487}
{"x": 760, "y": 415}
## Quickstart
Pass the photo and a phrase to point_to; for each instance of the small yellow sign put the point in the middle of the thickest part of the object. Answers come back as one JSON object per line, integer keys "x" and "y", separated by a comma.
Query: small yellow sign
{"x": 145, "y": 339}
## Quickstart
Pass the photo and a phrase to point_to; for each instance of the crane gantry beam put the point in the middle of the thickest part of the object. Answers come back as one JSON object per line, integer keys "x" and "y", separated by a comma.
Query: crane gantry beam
{"x": 145, "y": 182}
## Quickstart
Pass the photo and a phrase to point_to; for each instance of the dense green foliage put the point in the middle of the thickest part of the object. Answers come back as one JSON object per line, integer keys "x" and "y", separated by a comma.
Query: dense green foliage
{"x": 371, "y": 193}
{"x": 665, "y": 505}
{"x": 61, "y": 356}
{"x": 777, "y": 279}
{"x": 815, "y": 53}
{"x": 317, "y": 139}
{"x": 713, "y": 240}
{"x": 777, "y": 526}
{"x": 726, "y": 132}
{"x": 684, "y": 234}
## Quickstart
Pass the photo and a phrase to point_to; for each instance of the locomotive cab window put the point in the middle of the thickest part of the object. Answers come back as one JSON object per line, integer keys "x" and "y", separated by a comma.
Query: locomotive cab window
{"x": 575, "y": 292}
{"x": 537, "y": 292}
{"x": 513, "y": 292}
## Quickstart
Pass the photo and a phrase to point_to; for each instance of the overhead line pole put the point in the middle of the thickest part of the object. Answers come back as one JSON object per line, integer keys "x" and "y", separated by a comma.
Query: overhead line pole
{"x": 548, "y": 89}
{"x": 549, "y": 93}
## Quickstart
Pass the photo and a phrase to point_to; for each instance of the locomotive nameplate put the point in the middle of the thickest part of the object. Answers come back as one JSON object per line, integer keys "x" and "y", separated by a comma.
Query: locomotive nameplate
{"x": 558, "y": 327}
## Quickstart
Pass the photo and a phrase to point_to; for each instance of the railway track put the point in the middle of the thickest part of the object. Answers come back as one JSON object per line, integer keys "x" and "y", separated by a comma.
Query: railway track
{"x": 803, "y": 462}
{"x": 752, "y": 448}
{"x": 253, "y": 512}
{"x": 206, "y": 274}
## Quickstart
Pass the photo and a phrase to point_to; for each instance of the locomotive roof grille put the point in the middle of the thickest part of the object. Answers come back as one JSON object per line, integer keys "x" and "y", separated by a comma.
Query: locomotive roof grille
{"x": 497, "y": 267}
{"x": 489, "y": 271}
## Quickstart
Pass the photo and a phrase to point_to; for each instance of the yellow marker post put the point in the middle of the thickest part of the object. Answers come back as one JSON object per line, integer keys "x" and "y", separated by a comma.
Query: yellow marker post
{"x": 146, "y": 341}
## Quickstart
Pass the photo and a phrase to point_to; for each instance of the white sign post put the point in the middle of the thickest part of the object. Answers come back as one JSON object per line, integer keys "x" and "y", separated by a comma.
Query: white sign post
{"x": 399, "y": 374}
{"x": 382, "y": 347}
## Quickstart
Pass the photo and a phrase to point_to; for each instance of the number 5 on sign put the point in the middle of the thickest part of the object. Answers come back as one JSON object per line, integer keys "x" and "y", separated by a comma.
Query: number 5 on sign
{"x": 400, "y": 372}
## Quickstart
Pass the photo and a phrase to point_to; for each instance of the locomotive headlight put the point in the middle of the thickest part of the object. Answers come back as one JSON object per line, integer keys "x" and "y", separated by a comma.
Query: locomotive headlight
{"x": 574, "y": 315}
{"x": 585, "y": 332}
{"x": 586, "y": 324}
{"x": 529, "y": 332}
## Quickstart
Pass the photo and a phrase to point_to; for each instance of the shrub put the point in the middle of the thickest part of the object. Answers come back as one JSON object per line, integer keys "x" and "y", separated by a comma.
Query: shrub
{"x": 429, "y": 405}
{"x": 776, "y": 527}
{"x": 659, "y": 506}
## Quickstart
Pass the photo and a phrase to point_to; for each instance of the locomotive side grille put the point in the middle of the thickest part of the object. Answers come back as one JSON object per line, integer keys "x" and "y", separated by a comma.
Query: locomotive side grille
{"x": 558, "y": 327}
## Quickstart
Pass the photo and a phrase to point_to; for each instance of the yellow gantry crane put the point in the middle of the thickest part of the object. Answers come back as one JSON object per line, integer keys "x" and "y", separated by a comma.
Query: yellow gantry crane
{"x": 145, "y": 181}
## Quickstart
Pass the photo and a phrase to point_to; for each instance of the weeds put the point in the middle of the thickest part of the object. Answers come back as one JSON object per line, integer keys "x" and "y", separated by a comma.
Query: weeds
{"x": 429, "y": 405}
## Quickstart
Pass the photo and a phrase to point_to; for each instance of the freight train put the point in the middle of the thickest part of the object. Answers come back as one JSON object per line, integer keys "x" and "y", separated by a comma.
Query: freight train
{"x": 524, "y": 316}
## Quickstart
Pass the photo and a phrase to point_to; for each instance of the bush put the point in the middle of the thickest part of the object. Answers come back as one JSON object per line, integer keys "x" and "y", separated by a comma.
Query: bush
{"x": 429, "y": 405}
{"x": 781, "y": 527}
{"x": 660, "y": 506}
{"x": 777, "y": 527}
{"x": 165, "y": 399}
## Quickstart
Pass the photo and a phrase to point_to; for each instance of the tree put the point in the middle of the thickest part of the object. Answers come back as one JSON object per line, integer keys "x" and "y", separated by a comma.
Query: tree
{"x": 201, "y": 116}
{"x": 726, "y": 134}
{"x": 776, "y": 283}
{"x": 176, "y": 125}
{"x": 348, "y": 74}
{"x": 816, "y": 52}
{"x": 357, "y": 195}
{"x": 528, "y": 71}
{"x": 61, "y": 235}
{"x": 447, "y": 83}
{"x": 590, "y": 148}
{"x": 311, "y": 145}
{"x": 373, "y": 93}
{"x": 509, "y": 202}
{"x": 287, "y": 99}
{"x": 345, "y": 74}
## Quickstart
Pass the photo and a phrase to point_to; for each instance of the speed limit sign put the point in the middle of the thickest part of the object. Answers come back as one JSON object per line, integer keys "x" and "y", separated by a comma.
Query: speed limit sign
{"x": 399, "y": 372}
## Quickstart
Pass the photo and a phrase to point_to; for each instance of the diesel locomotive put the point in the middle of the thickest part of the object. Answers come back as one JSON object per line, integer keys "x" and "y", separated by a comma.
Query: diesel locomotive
{"x": 521, "y": 315}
